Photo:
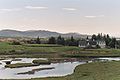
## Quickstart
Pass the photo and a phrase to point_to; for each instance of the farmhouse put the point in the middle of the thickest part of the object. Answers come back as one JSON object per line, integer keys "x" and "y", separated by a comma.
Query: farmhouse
{"x": 101, "y": 43}
{"x": 92, "y": 43}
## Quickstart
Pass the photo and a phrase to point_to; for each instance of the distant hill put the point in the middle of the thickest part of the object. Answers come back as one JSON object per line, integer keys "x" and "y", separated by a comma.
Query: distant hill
{"x": 36, "y": 33}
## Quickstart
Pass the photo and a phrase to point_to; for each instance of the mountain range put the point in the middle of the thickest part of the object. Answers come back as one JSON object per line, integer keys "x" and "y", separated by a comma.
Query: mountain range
{"x": 36, "y": 33}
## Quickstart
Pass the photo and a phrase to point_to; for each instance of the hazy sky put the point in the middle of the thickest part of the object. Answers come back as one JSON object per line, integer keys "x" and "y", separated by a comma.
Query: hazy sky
{"x": 83, "y": 16}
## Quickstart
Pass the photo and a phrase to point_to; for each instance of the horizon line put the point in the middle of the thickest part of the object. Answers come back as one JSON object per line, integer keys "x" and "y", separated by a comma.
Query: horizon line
{"x": 60, "y": 32}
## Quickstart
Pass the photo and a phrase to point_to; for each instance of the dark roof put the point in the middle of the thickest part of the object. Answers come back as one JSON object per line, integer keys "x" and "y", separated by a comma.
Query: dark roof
{"x": 92, "y": 42}
{"x": 100, "y": 40}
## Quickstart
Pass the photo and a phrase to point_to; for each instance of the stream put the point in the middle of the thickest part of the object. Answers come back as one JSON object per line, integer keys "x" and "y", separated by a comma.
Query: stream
{"x": 60, "y": 69}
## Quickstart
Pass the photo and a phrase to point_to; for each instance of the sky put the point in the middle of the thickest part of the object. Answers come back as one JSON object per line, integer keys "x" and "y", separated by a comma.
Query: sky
{"x": 82, "y": 16}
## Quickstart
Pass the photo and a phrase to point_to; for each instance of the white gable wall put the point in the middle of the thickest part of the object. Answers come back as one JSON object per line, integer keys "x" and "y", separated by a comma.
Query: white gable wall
{"x": 102, "y": 44}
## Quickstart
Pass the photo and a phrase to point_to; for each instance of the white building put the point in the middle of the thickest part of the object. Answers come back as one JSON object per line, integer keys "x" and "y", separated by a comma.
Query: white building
{"x": 101, "y": 43}
{"x": 92, "y": 43}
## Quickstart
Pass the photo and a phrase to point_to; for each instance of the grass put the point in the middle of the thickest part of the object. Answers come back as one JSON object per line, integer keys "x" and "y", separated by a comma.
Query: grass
{"x": 93, "y": 53}
{"x": 7, "y": 48}
{"x": 60, "y": 60}
{"x": 53, "y": 51}
{"x": 19, "y": 65}
{"x": 1, "y": 58}
{"x": 42, "y": 45}
{"x": 39, "y": 62}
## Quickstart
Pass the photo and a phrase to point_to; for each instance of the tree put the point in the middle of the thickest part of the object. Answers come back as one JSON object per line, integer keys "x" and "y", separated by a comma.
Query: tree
{"x": 38, "y": 40}
{"x": 72, "y": 42}
{"x": 108, "y": 36}
{"x": 94, "y": 37}
{"x": 72, "y": 39}
{"x": 52, "y": 40}
{"x": 60, "y": 40}
{"x": 16, "y": 43}
{"x": 87, "y": 38}
{"x": 104, "y": 37}
{"x": 99, "y": 37}
{"x": 107, "y": 40}
{"x": 118, "y": 44}
{"x": 63, "y": 41}
{"x": 113, "y": 43}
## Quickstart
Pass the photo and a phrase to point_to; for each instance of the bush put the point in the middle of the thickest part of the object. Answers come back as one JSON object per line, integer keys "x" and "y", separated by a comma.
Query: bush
{"x": 12, "y": 51}
{"x": 41, "y": 62}
{"x": 16, "y": 43}
{"x": 97, "y": 46}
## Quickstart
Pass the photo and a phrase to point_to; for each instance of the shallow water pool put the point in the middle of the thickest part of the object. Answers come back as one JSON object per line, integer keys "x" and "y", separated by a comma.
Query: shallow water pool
{"x": 60, "y": 69}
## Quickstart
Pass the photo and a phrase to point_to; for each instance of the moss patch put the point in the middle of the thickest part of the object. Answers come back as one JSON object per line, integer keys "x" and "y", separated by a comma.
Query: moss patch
{"x": 18, "y": 65}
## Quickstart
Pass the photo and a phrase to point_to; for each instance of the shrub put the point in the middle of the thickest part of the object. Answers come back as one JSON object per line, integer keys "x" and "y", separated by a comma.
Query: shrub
{"x": 41, "y": 62}
{"x": 16, "y": 43}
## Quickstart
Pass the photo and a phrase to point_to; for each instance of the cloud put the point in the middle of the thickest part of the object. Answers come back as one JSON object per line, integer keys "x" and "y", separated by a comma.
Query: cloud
{"x": 90, "y": 16}
{"x": 9, "y": 10}
{"x": 36, "y": 7}
{"x": 94, "y": 16}
{"x": 69, "y": 9}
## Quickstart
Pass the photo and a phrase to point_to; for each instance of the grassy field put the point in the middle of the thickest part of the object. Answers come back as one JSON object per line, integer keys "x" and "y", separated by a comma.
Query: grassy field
{"x": 94, "y": 53}
{"x": 6, "y": 48}
{"x": 92, "y": 71}
{"x": 47, "y": 50}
